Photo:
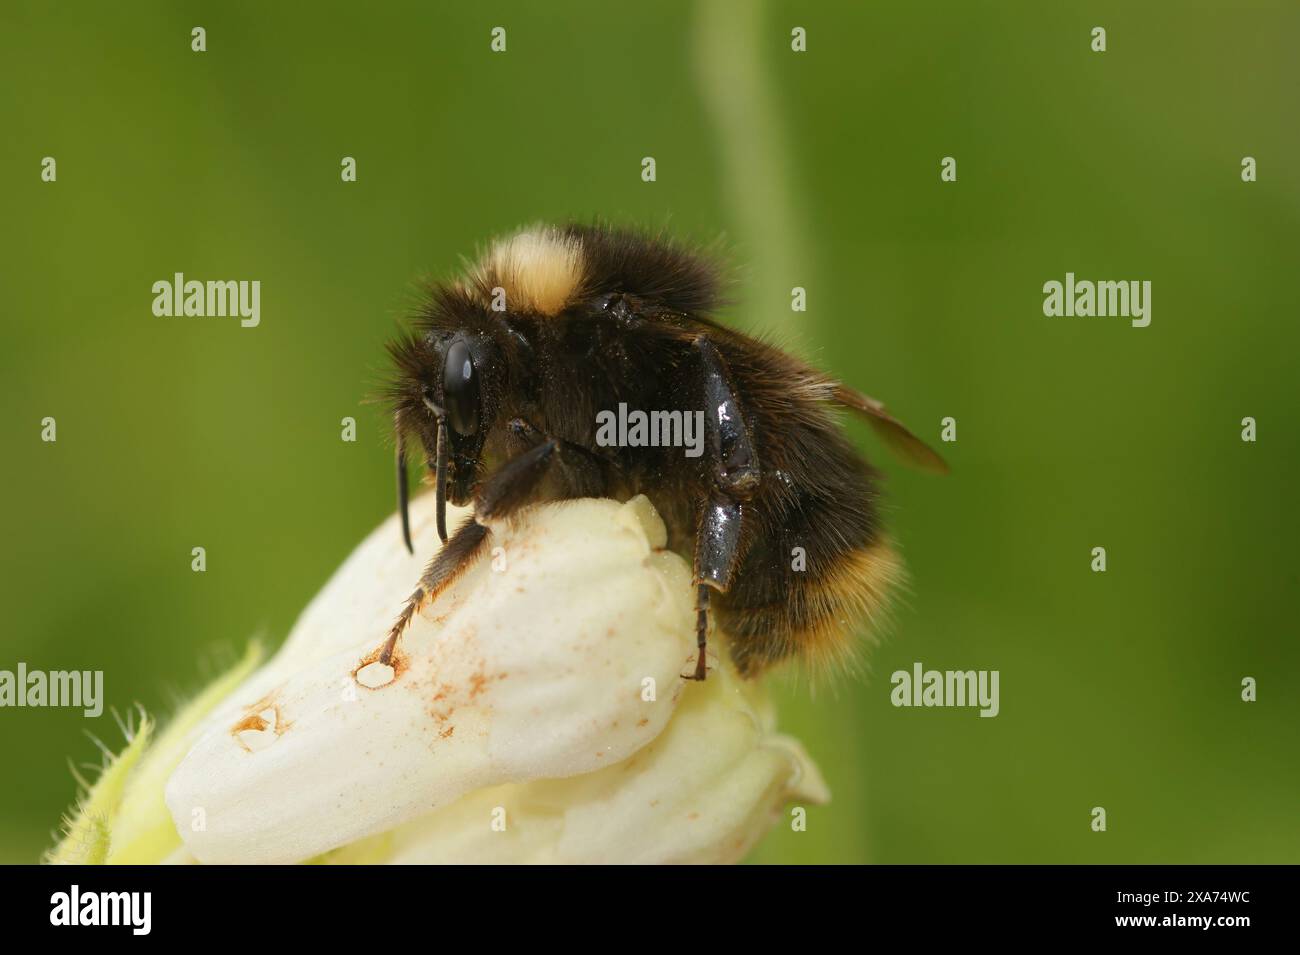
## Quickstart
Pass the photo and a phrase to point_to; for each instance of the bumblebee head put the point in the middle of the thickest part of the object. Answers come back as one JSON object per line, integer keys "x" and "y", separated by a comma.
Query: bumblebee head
{"x": 447, "y": 394}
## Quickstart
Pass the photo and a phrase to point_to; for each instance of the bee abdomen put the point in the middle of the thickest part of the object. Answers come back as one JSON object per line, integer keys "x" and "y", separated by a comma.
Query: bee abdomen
{"x": 820, "y": 570}
{"x": 821, "y": 614}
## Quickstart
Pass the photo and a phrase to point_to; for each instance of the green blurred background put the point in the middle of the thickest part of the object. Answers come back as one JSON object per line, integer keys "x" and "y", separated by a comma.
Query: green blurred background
{"x": 821, "y": 169}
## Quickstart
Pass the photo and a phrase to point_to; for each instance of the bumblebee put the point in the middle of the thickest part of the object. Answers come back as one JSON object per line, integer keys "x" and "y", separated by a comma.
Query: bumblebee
{"x": 505, "y": 373}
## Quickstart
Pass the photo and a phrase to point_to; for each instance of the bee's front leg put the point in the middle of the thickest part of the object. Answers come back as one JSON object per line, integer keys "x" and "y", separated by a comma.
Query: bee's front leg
{"x": 504, "y": 492}
{"x": 459, "y": 551}
{"x": 735, "y": 475}
{"x": 581, "y": 472}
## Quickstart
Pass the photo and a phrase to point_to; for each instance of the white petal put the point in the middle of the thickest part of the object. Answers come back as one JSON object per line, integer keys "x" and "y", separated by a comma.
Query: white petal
{"x": 704, "y": 791}
{"x": 533, "y": 672}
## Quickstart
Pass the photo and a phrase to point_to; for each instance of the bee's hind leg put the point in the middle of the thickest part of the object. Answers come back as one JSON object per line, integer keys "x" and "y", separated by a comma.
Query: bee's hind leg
{"x": 730, "y": 450}
{"x": 717, "y": 552}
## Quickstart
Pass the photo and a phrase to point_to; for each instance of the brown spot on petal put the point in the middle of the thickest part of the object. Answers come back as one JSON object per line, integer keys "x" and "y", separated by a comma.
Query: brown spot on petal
{"x": 255, "y": 720}
{"x": 446, "y": 734}
{"x": 476, "y": 684}
{"x": 398, "y": 661}
{"x": 450, "y": 696}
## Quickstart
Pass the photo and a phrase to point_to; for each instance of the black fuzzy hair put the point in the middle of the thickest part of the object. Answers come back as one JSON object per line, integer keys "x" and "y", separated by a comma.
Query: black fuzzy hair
{"x": 652, "y": 267}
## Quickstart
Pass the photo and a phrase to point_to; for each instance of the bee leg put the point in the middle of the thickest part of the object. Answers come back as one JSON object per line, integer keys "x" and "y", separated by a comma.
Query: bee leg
{"x": 717, "y": 552}
{"x": 460, "y": 550}
{"x": 727, "y": 440}
{"x": 736, "y": 473}
{"x": 502, "y": 493}
{"x": 701, "y": 633}
{"x": 582, "y": 473}
{"x": 512, "y": 486}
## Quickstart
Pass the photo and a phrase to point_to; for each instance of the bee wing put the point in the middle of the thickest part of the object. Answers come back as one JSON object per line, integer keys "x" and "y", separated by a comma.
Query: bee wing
{"x": 907, "y": 446}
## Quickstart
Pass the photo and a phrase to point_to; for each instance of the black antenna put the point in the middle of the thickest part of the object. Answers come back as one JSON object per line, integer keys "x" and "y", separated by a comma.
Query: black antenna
{"x": 440, "y": 469}
{"x": 402, "y": 493}
{"x": 440, "y": 494}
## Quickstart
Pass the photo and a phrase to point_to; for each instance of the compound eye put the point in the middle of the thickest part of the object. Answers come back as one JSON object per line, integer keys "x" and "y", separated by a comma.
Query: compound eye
{"x": 460, "y": 388}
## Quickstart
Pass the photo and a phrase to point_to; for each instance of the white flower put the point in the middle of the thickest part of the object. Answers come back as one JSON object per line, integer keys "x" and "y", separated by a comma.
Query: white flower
{"x": 535, "y": 713}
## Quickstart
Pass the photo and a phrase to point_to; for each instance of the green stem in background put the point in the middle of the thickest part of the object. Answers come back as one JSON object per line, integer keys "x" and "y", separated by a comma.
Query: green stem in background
{"x": 736, "y": 88}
